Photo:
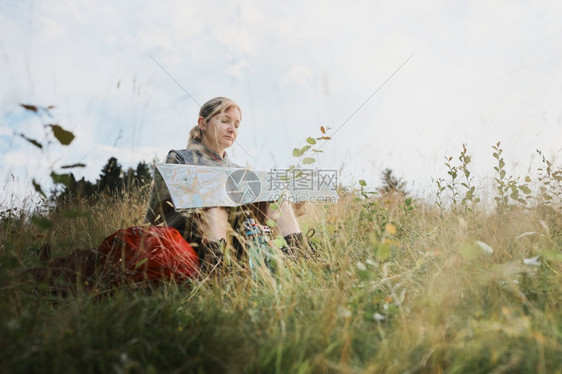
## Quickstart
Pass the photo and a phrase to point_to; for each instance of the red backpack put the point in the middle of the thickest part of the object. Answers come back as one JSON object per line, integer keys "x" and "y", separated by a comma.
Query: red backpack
{"x": 150, "y": 253}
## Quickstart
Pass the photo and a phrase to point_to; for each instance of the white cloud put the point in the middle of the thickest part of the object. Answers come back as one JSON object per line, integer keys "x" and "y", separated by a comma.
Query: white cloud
{"x": 238, "y": 68}
{"x": 482, "y": 72}
{"x": 298, "y": 75}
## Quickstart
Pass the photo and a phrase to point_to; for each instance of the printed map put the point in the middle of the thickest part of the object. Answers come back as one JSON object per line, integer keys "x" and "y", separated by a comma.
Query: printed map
{"x": 191, "y": 186}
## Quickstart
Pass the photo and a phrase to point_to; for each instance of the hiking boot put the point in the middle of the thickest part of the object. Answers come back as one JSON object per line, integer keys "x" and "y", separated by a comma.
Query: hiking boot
{"x": 211, "y": 255}
{"x": 300, "y": 245}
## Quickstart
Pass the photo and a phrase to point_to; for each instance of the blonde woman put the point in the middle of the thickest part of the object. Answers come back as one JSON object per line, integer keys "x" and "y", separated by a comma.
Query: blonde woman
{"x": 207, "y": 229}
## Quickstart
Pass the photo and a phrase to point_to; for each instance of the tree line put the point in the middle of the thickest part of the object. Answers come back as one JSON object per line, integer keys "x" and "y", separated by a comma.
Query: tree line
{"x": 112, "y": 181}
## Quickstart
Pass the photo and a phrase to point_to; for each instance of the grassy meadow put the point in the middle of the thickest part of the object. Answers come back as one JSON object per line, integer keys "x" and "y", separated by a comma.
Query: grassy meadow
{"x": 400, "y": 286}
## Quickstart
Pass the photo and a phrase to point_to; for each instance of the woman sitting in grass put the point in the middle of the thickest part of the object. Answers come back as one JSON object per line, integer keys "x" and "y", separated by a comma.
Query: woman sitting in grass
{"x": 207, "y": 229}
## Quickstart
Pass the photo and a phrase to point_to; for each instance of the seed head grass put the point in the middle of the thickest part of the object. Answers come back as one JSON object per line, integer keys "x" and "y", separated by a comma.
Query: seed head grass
{"x": 392, "y": 290}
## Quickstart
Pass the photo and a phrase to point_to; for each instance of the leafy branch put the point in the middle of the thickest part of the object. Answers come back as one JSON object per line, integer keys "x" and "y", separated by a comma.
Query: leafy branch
{"x": 469, "y": 200}
{"x": 508, "y": 187}
{"x": 63, "y": 136}
{"x": 302, "y": 152}
{"x": 304, "y": 156}
{"x": 550, "y": 179}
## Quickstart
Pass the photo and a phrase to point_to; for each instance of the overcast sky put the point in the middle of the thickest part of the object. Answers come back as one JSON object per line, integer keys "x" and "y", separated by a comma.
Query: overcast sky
{"x": 481, "y": 72}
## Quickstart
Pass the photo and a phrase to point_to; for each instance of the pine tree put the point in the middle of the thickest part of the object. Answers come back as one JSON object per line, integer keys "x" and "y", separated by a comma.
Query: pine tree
{"x": 110, "y": 177}
{"x": 143, "y": 174}
{"x": 391, "y": 184}
{"x": 112, "y": 181}
{"x": 74, "y": 190}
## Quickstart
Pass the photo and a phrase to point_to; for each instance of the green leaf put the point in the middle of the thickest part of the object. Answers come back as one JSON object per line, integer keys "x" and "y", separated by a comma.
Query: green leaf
{"x": 77, "y": 165}
{"x": 141, "y": 262}
{"x": 305, "y": 148}
{"x": 308, "y": 160}
{"x": 61, "y": 178}
{"x": 63, "y": 136}
{"x": 29, "y": 107}
{"x": 364, "y": 274}
{"x": 32, "y": 141}
{"x": 318, "y": 150}
{"x": 526, "y": 190}
{"x": 280, "y": 242}
{"x": 41, "y": 222}
{"x": 310, "y": 140}
{"x": 274, "y": 206}
{"x": 271, "y": 223}
{"x": 38, "y": 188}
{"x": 297, "y": 152}
{"x": 383, "y": 251}
{"x": 362, "y": 183}
{"x": 552, "y": 255}
{"x": 502, "y": 163}
{"x": 502, "y": 174}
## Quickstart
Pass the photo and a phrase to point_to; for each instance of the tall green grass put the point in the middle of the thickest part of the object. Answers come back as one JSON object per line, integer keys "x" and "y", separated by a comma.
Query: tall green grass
{"x": 394, "y": 290}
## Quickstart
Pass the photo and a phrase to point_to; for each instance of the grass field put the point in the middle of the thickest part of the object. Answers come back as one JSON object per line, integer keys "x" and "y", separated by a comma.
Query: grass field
{"x": 399, "y": 287}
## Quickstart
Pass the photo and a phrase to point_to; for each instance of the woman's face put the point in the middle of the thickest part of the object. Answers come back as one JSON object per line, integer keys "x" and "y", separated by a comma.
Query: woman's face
{"x": 221, "y": 130}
